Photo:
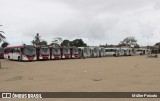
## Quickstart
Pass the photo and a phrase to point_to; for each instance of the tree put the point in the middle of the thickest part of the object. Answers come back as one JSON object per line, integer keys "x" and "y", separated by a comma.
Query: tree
{"x": 56, "y": 41}
{"x": 2, "y": 37}
{"x": 54, "y": 44}
{"x": 158, "y": 46}
{"x": 4, "y": 44}
{"x": 78, "y": 43}
{"x": 36, "y": 40}
{"x": 43, "y": 43}
{"x": 65, "y": 43}
{"x": 129, "y": 41}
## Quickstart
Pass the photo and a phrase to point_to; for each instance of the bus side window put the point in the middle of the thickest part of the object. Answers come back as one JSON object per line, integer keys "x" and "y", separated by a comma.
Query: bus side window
{"x": 14, "y": 50}
{"x": 18, "y": 50}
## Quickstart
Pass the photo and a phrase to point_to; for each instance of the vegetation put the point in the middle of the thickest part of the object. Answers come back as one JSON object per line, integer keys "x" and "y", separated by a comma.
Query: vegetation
{"x": 4, "y": 44}
{"x": 129, "y": 42}
{"x": 3, "y": 39}
{"x": 37, "y": 41}
{"x": 76, "y": 43}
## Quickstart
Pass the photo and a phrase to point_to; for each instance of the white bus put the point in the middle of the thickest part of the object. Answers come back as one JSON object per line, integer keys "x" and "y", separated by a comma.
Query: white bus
{"x": 101, "y": 51}
{"x": 20, "y": 53}
{"x": 55, "y": 53}
{"x": 84, "y": 52}
{"x": 94, "y": 51}
{"x": 141, "y": 51}
{"x": 43, "y": 53}
{"x": 112, "y": 52}
{"x": 127, "y": 51}
{"x": 74, "y": 52}
{"x": 65, "y": 52}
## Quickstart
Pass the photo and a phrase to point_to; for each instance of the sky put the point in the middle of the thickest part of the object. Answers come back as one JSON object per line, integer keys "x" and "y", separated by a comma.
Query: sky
{"x": 95, "y": 21}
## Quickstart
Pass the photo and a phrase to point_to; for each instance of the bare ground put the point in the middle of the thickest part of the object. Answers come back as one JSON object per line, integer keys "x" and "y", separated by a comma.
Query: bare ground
{"x": 108, "y": 74}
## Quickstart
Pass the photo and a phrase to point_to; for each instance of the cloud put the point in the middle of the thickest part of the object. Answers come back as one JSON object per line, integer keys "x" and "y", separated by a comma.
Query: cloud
{"x": 96, "y": 21}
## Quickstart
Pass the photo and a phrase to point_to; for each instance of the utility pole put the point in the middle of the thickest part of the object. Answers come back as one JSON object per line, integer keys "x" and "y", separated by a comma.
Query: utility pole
{"x": 148, "y": 37}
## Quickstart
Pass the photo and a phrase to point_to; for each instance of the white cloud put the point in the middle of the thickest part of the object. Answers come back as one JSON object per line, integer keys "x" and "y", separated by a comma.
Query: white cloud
{"x": 96, "y": 21}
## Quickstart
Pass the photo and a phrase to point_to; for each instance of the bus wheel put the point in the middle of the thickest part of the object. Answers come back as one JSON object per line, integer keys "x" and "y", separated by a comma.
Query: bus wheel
{"x": 9, "y": 58}
{"x": 19, "y": 59}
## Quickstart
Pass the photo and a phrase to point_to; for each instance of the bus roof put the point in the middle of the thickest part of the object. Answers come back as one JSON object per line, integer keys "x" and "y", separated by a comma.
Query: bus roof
{"x": 21, "y": 46}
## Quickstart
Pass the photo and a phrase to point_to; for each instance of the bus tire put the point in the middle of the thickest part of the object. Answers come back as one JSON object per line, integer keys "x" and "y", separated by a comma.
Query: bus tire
{"x": 19, "y": 59}
{"x": 9, "y": 58}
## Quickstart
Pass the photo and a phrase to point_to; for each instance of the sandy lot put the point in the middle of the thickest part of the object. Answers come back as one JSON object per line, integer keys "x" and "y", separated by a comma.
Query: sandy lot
{"x": 108, "y": 74}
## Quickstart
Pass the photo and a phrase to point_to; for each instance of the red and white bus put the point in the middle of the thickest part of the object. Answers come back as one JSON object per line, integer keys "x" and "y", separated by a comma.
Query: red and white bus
{"x": 21, "y": 53}
{"x": 43, "y": 52}
{"x": 74, "y": 52}
{"x": 1, "y": 53}
{"x": 55, "y": 53}
{"x": 65, "y": 52}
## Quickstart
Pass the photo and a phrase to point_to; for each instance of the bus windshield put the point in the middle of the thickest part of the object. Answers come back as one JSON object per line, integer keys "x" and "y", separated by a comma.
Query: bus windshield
{"x": 30, "y": 51}
{"x": 66, "y": 50}
{"x": 75, "y": 50}
{"x": 95, "y": 50}
{"x": 44, "y": 51}
{"x": 56, "y": 51}
{"x": 86, "y": 50}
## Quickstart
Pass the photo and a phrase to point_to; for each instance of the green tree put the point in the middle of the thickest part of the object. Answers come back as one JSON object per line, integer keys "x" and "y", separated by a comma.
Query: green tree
{"x": 43, "y": 43}
{"x": 129, "y": 41}
{"x": 2, "y": 37}
{"x": 78, "y": 43}
{"x": 65, "y": 43}
{"x": 4, "y": 44}
{"x": 36, "y": 40}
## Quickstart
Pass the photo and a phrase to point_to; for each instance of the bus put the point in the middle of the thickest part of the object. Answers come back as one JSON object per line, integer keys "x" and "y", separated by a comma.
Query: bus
{"x": 74, "y": 52}
{"x": 141, "y": 51}
{"x": 84, "y": 52}
{"x": 128, "y": 51}
{"x": 20, "y": 53}
{"x": 43, "y": 52}
{"x": 55, "y": 53}
{"x": 101, "y": 51}
{"x": 1, "y": 53}
{"x": 112, "y": 52}
{"x": 65, "y": 52}
{"x": 94, "y": 52}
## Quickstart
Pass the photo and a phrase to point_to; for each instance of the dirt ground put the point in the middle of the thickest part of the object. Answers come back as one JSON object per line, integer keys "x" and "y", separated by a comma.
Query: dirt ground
{"x": 107, "y": 74}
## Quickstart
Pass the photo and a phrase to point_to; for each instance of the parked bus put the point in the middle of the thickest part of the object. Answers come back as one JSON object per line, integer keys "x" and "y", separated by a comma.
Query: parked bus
{"x": 1, "y": 53}
{"x": 141, "y": 51}
{"x": 43, "y": 52}
{"x": 21, "y": 53}
{"x": 55, "y": 53}
{"x": 128, "y": 51}
{"x": 121, "y": 52}
{"x": 84, "y": 52}
{"x": 65, "y": 52}
{"x": 94, "y": 51}
{"x": 112, "y": 52}
{"x": 101, "y": 51}
{"x": 74, "y": 52}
